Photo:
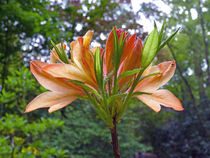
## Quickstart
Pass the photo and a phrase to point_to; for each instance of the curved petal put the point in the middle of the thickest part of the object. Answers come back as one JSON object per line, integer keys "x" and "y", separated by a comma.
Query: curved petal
{"x": 151, "y": 69}
{"x": 47, "y": 80}
{"x": 82, "y": 58}
{"x": 109, "y": 52}
{"x": 128, "y": 47}
{"x": 87, "y": 39}
{"x": 77, "y": 52}
{"x": 72, "y": 45}
{"x": 63, "y": 104}
{"x": 55, "y": 100}
{"x": 161, "y": 97}
{"x": 151, "y": 84}
{"x": 68, "y": 71}
{"x": 80, "y": 50}
{"x": 146, "y": 99}
{"x": 64, "y": 70}
{"x": 134, "y": 60}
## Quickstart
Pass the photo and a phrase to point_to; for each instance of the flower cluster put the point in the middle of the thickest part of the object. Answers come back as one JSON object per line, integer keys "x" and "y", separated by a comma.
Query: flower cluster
{"x": 107, "y": 78}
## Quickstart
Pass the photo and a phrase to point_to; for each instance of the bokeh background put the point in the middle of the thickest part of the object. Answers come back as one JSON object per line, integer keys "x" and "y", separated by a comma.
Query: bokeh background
{"x": 26, "y": 28}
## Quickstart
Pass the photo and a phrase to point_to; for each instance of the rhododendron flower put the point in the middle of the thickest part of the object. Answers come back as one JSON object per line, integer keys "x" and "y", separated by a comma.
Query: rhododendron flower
{"x": 124, "y": 59}
{"x": 107, "y": 78}
{"x": 153, "y": 83}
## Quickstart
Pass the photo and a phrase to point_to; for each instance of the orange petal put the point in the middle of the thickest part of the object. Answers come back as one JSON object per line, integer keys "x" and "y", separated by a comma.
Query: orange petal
{"x": 146, "y": 99}
{"x": 65, "y": 71}
{"x": 66, "y": 102}
{"x": 54, "y": 100}
{"x": 151, "y": 69}
{"x": 151, "y": 84}
{"x": 109, "y": 52}
{"x": 77, "y": 52}
{"x": 72, "y": 45}
{"x": 70, "y": 72}
{"x": 132, "y": 62}
{"x": 87, "y": 39}
{"x": 128, "y": 47}
{"x": 47, "y": 80}
{"x": 135, "y": 58}
{"x": 161, "y": 97}
{"x": 81, "y": 55}
{"x": 80, "y": 50}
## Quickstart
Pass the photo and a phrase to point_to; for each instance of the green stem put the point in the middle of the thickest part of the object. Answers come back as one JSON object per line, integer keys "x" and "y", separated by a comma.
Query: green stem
{"x": 127, "y": 99}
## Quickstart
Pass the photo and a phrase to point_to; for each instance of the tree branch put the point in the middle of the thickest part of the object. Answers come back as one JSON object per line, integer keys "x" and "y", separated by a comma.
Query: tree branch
{"x": 204, "y": 40}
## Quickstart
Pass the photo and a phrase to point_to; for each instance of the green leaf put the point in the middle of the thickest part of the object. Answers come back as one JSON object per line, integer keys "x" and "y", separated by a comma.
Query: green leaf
{"x": 64, "y": 54}
{"x": 57, "y": 51}
{"x": 168, "y": 39}
{"x": 121, "y": 40}
{"x": 121, "y": 45}
{"x": 161, "y": 32}
{"x": 91, "y": 98}
{"x": 155, "y": 25}
{"x": 115, "y": 59}
{"x": 150, "y": 49}
{"x": 85, "y": 87}
{"x": 113, "y": 97}
{"x": 128, "y": 73}
{"x": 140, "y": 93}
{"x": 152, "y": 74}
{"x": 107, "y": 78}
{"x": 98, "y": 67}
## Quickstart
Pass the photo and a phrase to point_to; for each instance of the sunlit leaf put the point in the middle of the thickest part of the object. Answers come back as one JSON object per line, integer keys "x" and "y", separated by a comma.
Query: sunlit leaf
{"x": 150, "y": 49}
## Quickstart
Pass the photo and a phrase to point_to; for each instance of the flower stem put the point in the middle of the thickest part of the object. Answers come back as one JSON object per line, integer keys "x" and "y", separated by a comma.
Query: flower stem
{"x": 114, "y": 135}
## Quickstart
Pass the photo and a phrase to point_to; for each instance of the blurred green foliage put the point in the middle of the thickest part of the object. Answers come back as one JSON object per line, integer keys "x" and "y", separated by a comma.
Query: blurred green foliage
{"x": 20, "y": 138}
{"x": 26, "y": 29}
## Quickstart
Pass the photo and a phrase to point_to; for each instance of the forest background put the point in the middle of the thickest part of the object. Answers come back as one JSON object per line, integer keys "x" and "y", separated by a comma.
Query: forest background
{"x": 26, "y": 28}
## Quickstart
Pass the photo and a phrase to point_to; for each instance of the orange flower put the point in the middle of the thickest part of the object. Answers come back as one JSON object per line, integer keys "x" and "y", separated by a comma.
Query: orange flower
{"x": 130, "y": 60}
{"x": 61, "y": 93}
{"x": 82, "y": 64}
{"x": 89, "y": 73}
{"x": 129, "y": 50}
{"x": 108, "y": 80}
{"x": 153, "y": 83}
{"x": 54, "y": 76}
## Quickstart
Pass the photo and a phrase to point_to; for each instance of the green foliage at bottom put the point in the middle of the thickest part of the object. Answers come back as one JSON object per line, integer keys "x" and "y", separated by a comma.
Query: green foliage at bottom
{"x": 85, "y": 136}
{"x": 20, "y": 138}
